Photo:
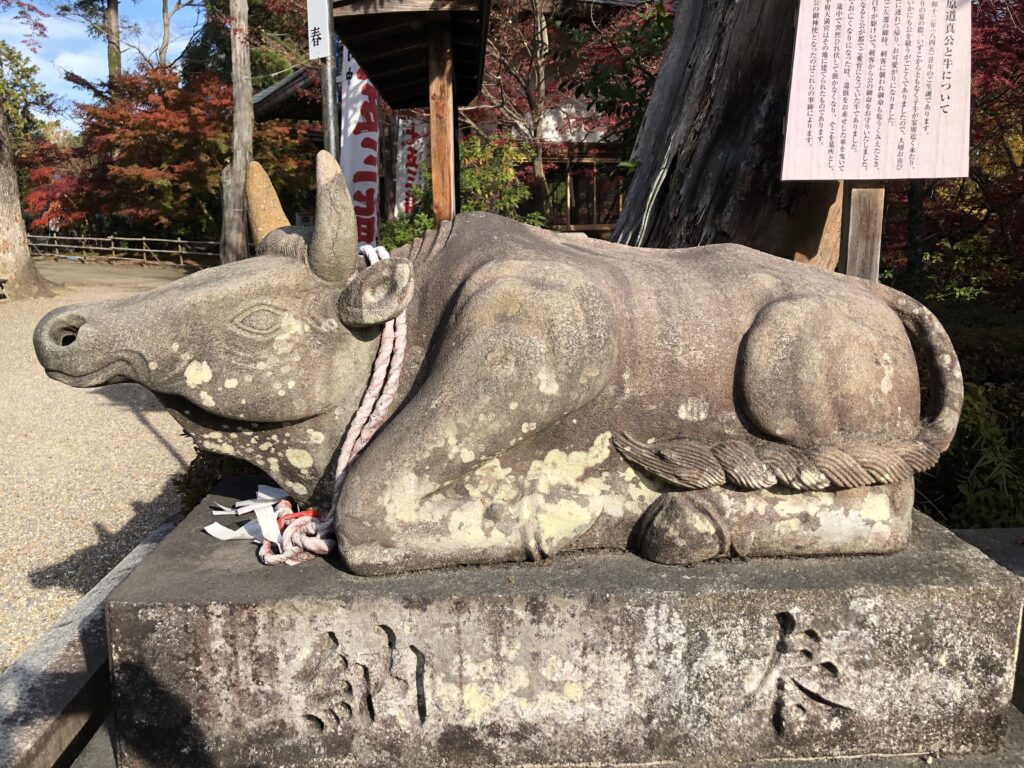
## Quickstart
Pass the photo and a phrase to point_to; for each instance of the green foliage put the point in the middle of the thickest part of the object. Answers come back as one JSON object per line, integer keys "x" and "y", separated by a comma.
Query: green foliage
{"x": 958, "y": 264}
{"x": 92, "y": 14}
{"x": 396, "y": 232}
{"x": 489, "y": 181}
{"x": 979, "y": 482}
{"x": 22, "y": 96}
{"x": 989, "y": 468}
{"x": 277, "y": 41}
{"x": 621, "y": 58}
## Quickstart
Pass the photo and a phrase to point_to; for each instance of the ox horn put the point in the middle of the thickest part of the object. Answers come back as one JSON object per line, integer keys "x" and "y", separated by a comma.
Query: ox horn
{"x": 262, "y": 203}
{"x": 332, "y": 253}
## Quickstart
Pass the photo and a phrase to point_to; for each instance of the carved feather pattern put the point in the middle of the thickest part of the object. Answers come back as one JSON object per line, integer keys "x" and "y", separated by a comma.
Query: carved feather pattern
{"x": 691, "y": 464}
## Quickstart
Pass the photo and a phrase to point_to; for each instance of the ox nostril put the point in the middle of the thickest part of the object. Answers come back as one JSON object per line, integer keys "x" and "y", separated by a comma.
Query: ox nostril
{"x": 67, "y": 335}
{"x": 62, "y": 329}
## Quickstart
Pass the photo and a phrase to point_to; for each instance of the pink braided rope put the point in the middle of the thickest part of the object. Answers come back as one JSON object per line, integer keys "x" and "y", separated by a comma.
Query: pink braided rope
{"x": 299, "y": 543}
{"x": 382, "y": 408}
{"x": 373, "y": 390}
{"x": 375, "y": 408}
{"x": 305, "y": 538}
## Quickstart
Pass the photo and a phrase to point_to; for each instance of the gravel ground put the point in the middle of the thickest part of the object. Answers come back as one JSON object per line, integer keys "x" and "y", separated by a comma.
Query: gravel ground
{"x": 85, "y": 474}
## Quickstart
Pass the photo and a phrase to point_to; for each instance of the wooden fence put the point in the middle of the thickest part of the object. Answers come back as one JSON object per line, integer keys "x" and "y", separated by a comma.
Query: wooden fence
{"x": 147, "y": 250}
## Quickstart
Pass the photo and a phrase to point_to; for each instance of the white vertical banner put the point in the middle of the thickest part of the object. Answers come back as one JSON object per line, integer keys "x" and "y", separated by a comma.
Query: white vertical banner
{"x": 411, "y": 149}
{"x": 318, "y": 21}
{"x": 360, "y": 144}
{"x": 881, "y": 89}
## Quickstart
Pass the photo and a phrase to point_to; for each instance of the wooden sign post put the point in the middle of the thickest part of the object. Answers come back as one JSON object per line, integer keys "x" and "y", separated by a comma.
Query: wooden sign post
{"x": 442, "y": 117}
{"x": 322, "y": 45}
{"x": 860, "y": 245}
{"x": 879, "y": 91}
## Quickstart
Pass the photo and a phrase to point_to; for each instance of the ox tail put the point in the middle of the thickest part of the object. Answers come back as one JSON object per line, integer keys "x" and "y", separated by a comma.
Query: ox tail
{"x": 945, "y": 381}
{"x": 752, "y": 464}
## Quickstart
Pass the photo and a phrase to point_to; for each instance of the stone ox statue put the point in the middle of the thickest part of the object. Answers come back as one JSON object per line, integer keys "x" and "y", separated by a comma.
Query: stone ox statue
{"x": 558, "y": 393}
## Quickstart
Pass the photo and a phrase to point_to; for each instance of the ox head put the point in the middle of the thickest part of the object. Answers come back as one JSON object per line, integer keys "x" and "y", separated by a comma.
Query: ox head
{"x": 264, "y": 359}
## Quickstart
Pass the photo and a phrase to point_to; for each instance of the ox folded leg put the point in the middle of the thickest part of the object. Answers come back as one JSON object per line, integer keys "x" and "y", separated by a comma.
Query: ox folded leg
{"x": 431, "y": 489}
{"x": 690, "y": 526}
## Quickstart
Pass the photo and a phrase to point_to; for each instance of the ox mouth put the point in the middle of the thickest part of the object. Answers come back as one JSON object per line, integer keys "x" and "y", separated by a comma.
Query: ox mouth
{"x": 191, "y": 415}
{"x": 111, "y": 373}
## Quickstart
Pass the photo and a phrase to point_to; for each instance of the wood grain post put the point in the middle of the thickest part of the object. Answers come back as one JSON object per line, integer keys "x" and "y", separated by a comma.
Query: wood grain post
{"x": 442, "y": 116}
{"x": 860, "y": 245}
{"x": 234, "y": 240}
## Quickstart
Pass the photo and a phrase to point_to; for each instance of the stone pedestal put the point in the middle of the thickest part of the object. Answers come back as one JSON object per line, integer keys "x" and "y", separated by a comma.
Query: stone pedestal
{"x": 592, "y": 659}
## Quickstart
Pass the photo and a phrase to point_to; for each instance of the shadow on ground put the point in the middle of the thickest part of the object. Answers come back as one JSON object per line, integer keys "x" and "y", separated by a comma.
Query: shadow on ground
{"x": 88, "y": 565}
{"x": 138, "y": 400}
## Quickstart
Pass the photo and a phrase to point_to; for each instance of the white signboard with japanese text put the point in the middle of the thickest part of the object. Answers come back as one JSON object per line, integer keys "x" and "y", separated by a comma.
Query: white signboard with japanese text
{"x": 360, "y": 144}
{"x": 318, "y": 13}
{"x": 880, "y": 90}
{"x": 412, "y": 144}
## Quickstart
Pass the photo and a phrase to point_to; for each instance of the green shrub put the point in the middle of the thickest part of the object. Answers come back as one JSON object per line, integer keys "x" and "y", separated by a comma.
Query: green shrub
{"x": 489, "y": 181}
{"x": 490, "y": 175}
{"x": 988, "y": 469}
{"x": 979, "y": 482}
{"x": 396, "y": 232}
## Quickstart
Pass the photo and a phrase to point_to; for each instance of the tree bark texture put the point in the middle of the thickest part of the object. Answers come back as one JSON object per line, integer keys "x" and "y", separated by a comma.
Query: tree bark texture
{"x": 18, "y": 275}
{"x": 234, "y": 243}
{"x": 709, "y": 152}
{"x": 112, "y": 30}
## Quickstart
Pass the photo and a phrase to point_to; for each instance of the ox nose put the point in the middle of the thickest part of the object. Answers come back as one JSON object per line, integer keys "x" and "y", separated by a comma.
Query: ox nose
{"x": 56, "y": 332}
{"x": 77, "y": 346}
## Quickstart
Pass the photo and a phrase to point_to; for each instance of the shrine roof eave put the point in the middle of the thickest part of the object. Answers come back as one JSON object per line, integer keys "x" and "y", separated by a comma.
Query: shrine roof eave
{"x": 295, "y": 97}
{"x": 389, "y": 39}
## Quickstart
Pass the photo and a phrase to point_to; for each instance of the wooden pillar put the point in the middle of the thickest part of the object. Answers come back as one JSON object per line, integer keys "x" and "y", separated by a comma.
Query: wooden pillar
{"x": 456, "y": 159}
{"x": 235, "y": 229}
{"x": 860, "y": 246}
{"x": 442, "y": 116}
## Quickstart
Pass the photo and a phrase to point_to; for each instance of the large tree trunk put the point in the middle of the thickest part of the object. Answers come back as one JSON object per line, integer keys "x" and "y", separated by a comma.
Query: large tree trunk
{"x": 234, "y": 243}
{"x": 709, "y": 152}
{"x": 19, "y": 277}
{"x": 112, "y": 30}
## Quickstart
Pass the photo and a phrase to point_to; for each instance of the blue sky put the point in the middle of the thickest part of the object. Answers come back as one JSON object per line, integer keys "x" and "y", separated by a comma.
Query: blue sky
{"x": 69, "y": 47}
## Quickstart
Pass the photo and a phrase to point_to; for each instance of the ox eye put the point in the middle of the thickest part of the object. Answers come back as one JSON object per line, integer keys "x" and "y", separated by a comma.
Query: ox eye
{"x": 260, "y": 320}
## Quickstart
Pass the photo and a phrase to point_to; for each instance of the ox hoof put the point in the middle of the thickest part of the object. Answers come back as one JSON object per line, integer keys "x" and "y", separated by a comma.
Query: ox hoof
{"x": 677, "y": 531}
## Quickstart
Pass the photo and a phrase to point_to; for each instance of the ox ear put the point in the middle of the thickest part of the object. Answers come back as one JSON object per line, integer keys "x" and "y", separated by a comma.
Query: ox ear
{"x": 333, "y": 255}
{"x": 376, "y": 294}
{"x": 262, "y": 203}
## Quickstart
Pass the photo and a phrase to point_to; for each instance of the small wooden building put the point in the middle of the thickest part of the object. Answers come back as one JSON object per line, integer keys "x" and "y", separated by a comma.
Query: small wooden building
{"x": 422, "y": 53}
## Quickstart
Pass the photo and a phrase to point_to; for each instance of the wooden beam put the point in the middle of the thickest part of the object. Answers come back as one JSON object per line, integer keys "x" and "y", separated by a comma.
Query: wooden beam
{"x": 413, "y": 49}
{"x": 442, "y": 117}
{"x": 374, "y": 29}
{"x": 363, "y": 7}
{"x": 861, "y": 239}
{"x": 409, "y": 89}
